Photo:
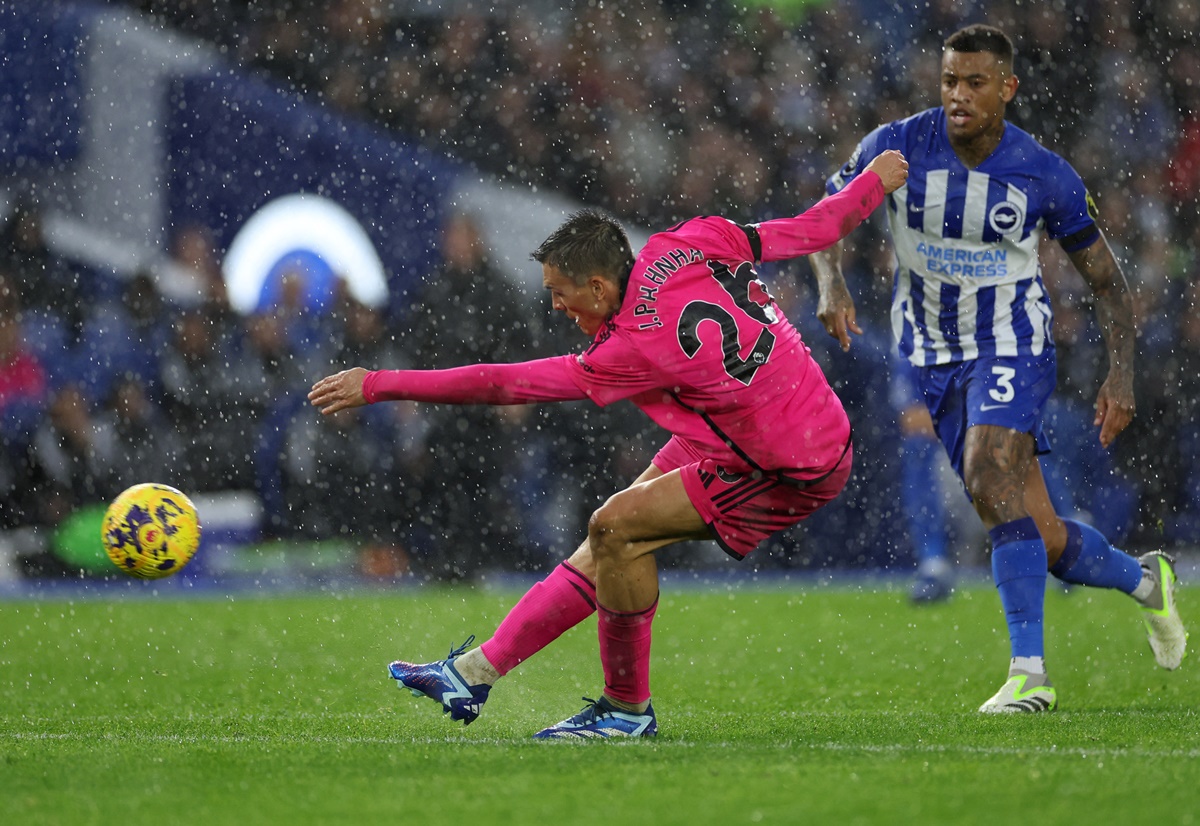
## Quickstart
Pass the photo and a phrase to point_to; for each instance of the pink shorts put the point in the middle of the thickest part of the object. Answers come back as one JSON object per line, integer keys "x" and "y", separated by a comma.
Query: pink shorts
{"x": 743, "y": 509}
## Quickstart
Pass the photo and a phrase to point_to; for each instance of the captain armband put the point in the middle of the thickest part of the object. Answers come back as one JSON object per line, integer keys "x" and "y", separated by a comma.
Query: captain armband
{"x": 1080, "y": 240}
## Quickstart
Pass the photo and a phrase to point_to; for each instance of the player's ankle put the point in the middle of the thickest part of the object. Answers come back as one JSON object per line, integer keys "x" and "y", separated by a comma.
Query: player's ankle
{"x": 475, "y": 668}
{"x": 1147, "y": 590}
{"x": 1027, "y": 665}
{"x": 632, "y": 708}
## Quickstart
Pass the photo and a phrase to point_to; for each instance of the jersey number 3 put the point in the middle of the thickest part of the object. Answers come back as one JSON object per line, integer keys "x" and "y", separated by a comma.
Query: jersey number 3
{"x": 751, "y": 297}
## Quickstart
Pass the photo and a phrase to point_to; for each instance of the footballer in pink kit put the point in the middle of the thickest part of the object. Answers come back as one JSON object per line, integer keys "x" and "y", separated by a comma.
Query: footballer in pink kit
{"x": 688, "y": 333}
{"x": 700, "y": 346}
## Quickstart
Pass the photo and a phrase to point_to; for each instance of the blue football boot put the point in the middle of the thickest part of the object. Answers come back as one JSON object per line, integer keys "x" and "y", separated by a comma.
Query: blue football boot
{"x": 441, "y": 681}
{"x": 600, "y": 719}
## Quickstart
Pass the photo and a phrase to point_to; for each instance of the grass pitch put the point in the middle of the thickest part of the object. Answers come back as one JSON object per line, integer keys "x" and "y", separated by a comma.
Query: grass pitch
{"x": 776, "y": 704}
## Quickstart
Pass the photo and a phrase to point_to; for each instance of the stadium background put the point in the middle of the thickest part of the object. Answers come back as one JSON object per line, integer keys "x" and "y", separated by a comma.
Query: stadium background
{"x": 139, "y": 138}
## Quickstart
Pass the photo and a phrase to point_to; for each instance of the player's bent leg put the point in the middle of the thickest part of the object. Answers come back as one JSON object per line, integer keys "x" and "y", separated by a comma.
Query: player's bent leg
{"x": 996, "y": 471}
{"x": 583, "y": 560}
{"x": 1089, "y": 559}
{"x": 925, "y": 511}
{"x": 441, "y": 681}
{"x": 625, "y": 657}
{"x": 1039, "y": 506}
{"x": 462, "y": 681}
{"x": 565, "y": 598}
{"x": 626, "y": 530}
{"x": 622, "y": 536}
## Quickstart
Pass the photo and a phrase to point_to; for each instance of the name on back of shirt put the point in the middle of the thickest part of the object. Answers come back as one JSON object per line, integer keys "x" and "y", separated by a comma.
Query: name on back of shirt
{"x": 657, "y": 273}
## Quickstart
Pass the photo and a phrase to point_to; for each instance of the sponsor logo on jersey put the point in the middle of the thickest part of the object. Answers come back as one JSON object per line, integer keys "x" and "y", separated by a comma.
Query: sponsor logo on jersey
{"x": 987, "y": 262}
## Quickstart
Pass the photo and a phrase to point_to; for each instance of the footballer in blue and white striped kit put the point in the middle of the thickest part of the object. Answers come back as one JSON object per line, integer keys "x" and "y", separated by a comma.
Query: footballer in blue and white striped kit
{"x": 971, "y": 314}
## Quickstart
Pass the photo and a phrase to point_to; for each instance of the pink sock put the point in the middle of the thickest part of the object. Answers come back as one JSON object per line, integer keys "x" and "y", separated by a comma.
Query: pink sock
{"x": 625, "y": 653}
{"x": 556, "y": 604}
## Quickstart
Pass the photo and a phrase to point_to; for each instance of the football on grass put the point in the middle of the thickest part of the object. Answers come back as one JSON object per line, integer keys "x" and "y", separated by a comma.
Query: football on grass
{"x": 151, "y": 531}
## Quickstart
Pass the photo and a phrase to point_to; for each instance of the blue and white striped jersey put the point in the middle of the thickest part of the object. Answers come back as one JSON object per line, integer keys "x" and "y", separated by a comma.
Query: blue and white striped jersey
{"x": 969, "y": 284}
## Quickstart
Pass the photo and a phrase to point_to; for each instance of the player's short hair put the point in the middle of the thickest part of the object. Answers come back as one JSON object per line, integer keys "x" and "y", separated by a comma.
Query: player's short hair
{"x": 588, "y": 242}
{"x": 982, "y": 38}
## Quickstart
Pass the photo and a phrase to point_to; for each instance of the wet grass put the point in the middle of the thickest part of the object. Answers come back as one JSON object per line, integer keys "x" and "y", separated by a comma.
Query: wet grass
{"x": 776, "y": 705}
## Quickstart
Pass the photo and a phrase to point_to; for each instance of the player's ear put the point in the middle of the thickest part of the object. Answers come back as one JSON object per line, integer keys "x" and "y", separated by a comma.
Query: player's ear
{"x": 1008, "y": 88}
{"x": 604, "y": 290}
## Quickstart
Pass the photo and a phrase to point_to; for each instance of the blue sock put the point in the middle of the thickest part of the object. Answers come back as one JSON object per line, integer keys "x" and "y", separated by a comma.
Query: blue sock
{"x": 922, "y": 498}
{"x": 1019, "y": 571}
{"x": 1088, "y": 559}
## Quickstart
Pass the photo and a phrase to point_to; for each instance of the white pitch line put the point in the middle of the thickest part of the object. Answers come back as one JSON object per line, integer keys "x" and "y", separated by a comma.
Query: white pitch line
{"x": 870, "y": 748}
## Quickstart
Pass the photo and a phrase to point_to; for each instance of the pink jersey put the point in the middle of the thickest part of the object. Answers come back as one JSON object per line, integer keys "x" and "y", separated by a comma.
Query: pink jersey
{"x": 701, "y": 347}
{"x": 698, "y": 344}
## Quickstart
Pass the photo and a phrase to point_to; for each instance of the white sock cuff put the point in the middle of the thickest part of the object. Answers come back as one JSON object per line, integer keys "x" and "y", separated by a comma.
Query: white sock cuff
{"x": 1145, "y": 588}
{"x": 1027, "y": 665}
{"x": 475, "y": 668}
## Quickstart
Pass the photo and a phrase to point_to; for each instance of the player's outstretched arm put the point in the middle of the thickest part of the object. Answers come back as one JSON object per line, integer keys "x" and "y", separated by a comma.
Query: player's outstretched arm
{"x": 339, "y": 392}
{"x": 541, "y": 380}
{"x": 833, "y": 218}
{"x": 1115, "y": 405}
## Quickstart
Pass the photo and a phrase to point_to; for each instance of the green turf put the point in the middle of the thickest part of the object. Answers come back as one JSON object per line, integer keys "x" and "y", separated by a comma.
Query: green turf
{"x": 776, "y": 705}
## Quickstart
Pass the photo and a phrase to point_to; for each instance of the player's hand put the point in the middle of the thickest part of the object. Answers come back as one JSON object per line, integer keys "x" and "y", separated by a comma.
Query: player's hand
{"x": 892, "y": 169}
{"x": 835, "y": 310}
{"x": 340, "y": 391}
{"x": 1115, "y": 408}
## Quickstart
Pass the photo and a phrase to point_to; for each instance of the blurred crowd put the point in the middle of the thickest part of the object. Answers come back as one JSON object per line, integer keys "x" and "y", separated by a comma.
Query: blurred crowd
{"x": 655, "y": 111}
{"x": 105, "y": 382}
{"x": 659, "y": 110}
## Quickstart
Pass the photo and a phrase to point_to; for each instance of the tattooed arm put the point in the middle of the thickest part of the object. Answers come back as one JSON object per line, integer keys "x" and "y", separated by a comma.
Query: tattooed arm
{"x": 1115, "y": 405}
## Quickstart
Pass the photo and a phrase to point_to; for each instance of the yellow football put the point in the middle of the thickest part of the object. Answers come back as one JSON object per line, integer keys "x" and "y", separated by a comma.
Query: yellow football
{"x": 151, "y": 531}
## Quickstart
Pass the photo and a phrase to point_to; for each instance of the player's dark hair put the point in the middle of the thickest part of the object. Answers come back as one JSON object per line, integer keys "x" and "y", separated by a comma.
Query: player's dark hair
{"x": 586, "y": 243}
{"x": 982, "y": 38}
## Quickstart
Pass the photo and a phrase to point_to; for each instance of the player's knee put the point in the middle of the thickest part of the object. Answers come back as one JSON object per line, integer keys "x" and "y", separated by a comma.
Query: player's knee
{"x": 976, "y": 486}
{"x": 605, "y": 534}
{"x": 983, "y": 498}
{"x": 995, "y": 504}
